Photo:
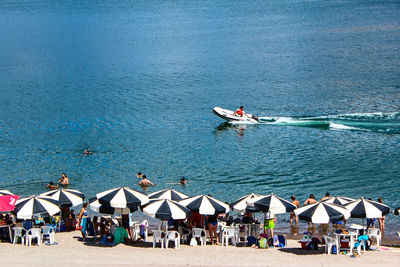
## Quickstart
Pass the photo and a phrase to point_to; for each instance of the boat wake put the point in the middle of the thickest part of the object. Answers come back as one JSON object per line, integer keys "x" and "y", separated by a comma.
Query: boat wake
{"x": 375, "y": 122}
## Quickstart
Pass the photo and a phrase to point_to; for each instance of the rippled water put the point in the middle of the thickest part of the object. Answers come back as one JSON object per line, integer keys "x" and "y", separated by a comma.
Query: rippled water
{"x": 136, "y": 81}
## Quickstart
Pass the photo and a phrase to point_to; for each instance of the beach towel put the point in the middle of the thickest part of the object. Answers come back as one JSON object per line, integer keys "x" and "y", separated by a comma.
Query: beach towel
{"x": 263, "y": 243}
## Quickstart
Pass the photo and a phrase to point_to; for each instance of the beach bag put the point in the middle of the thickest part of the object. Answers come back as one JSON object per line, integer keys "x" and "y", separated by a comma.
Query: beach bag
{"x": 263, "y": 243}
{"x": 333, "y": 249}
{"x": 193, "y": 242}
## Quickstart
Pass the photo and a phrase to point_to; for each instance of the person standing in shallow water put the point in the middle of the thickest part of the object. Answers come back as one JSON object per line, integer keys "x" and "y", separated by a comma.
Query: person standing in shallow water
{"x": 292, "y": 215}
{"x": 381, "y": 220}
{"x": 144, "y": 182}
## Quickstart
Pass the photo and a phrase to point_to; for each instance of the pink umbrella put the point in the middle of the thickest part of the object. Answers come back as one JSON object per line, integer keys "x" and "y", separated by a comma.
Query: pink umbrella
{"x": 7, "y": 203}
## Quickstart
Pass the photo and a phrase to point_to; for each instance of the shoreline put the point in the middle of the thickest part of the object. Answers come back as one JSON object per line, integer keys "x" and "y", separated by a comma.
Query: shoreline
{"x": 71, "y": 250}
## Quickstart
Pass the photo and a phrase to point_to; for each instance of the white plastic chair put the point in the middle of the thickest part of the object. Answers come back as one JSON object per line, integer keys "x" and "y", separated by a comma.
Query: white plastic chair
{"x": 19, "y": 232}
{"x": 329, "y": 242}
{"x": 48, "y": 231}
{"x": 375, "y": 232}
{"x": 201, "y": 234}
{"x": 158, "y": 236}
{"x": 32, "y": 234}
{"x": 229, "y": 233}
{"x": 173, "y": 236}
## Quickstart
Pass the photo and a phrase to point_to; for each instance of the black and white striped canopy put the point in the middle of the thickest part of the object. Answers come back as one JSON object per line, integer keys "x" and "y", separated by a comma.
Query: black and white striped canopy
{"x": 364, "y": 208}
{"x": 122, "y": 197}
{"x": 165, "y": 209}
{"x": 205, "y": 205}
{"x": 322, "y": 212}
{"x": 5, "y": 193}
{"x": 240, "y": 204}
{"x": 170, "y": 194}
{"x": 95, "y": 205}
{"x": 338, "y": 200}
{"x": 272, "y": 203}
{"x": 26, "y": 207}
{"x": 66, "y": 197}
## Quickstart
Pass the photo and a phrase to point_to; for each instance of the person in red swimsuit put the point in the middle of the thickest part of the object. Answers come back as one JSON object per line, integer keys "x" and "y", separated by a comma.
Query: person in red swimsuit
{"x": 239, "y": 112}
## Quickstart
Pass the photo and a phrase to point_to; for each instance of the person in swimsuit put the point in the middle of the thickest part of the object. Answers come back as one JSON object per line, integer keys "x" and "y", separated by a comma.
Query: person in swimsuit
{"x": 82, "y": 219}
{"x": 310, "y": 200}
{"x": 327, "y": 195}
{"x": 87, "y": 151}
{"x": 212, "y": 225}
{"x": 144, "y": 182}
{"x": 183, "y": 181}
{"x": 381, "y": 220}
{"x": 292, "y": 215}
{"x": 64, "y": 180}
{"x": 51, "y": 186}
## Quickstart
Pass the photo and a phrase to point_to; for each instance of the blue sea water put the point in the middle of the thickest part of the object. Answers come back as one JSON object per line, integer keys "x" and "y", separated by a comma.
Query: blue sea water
{"x": 136, "y": 81}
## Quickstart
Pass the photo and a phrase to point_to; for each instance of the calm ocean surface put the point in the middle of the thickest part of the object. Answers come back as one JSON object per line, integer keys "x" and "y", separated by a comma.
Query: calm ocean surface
{"x": 136, "y": 81}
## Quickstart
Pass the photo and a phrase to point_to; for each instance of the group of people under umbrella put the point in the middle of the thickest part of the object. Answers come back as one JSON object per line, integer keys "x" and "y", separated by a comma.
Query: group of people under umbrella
{"x": 171, "y": 204}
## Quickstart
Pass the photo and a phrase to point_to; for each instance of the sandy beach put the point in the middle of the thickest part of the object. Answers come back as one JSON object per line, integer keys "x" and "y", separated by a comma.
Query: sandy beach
{"x": 72, "y": 251}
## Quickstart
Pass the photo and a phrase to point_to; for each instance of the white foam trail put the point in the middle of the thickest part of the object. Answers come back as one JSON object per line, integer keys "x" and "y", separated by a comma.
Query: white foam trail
{"x": 337, "y": 126}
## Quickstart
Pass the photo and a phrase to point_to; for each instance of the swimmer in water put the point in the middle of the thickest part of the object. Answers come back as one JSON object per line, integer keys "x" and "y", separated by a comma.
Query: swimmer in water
{"x": 183, "y": 181}
{"x": 144, "y": 182}
{"x": 87, "y": 151}
{"x": 51, "y": 186}
{"x": 139, "y": 175}
{"x": 64, "y": 180}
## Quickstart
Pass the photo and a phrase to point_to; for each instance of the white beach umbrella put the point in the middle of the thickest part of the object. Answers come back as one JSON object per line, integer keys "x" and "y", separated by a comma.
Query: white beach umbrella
{"x": 272, "y": 203}
{"x": 240, "y": 204}
{"x": 95, "y": 205}
{"x": 205, "y": 205}
{"x": 26, "y": 207}
{"x": 169, "y": 193}
{"x": 322, "y": 212}
{"x": 66, "y": 197}
{"x": 165, "y": 209}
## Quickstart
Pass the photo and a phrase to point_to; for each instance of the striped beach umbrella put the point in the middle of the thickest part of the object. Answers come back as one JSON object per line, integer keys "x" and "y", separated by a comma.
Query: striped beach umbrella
{"x": 66, "y": 197}
{"x": 26, "y": 207}
{"x": 5, "y": 193}
{"x": 240, "y": 204}
{"x": 272, "y": 203}
{"x": 165, "y": 209}
{"x": 205, "y": 205}
{"x": 170, "y": 194}
{"x": 338, "y": 200}
{"x": 322, "y": 212}
{"x": 122, "y": 197}
{"x": 365, "y": 208}
{"x": 95, "y": 205}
